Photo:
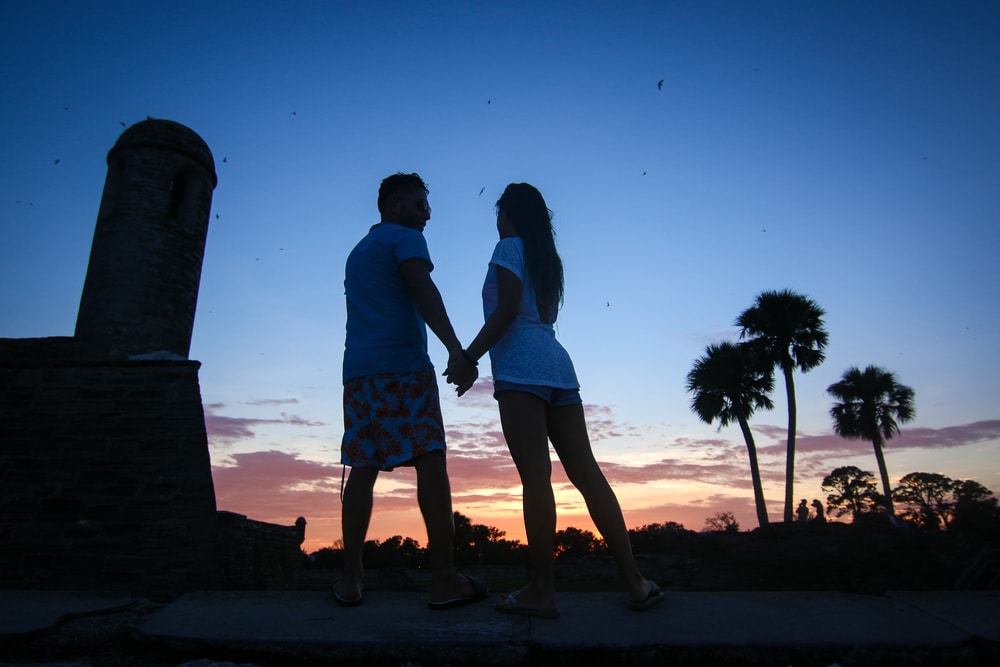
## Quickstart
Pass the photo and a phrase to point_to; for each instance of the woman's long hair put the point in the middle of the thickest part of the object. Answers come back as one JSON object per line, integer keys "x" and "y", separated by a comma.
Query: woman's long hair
{"x": 526, "y": 211}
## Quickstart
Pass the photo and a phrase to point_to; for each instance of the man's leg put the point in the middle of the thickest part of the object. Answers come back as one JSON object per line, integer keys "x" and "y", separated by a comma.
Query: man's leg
{"x": 434, "y": 498}
{"x": 356, "y": 512}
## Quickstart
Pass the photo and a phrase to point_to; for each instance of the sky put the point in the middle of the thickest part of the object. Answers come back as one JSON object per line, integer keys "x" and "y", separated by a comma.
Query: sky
{"x": 848, "y": 151}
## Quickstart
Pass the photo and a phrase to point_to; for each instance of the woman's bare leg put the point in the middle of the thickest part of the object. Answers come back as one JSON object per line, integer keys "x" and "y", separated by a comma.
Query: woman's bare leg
{"x": 523, "y": 418}
{"x": 568, "y": 432}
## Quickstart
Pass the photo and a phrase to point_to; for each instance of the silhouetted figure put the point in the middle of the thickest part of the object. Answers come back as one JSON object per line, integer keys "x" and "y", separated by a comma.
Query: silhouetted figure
{"x": 802, "y": 511}
{"x": 820, "y": 516}
{"x": 538, "y": 394}
{"x": 392, "y": 412}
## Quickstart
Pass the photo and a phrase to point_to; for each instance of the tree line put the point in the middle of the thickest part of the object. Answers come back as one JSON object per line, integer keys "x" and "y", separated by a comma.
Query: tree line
{"x": 928, "y": 501}
{"x": 478, "y": 544}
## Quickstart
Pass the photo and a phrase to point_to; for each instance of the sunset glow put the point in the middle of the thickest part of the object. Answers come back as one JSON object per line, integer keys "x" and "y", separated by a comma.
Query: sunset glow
{"x": 846, "y": 150}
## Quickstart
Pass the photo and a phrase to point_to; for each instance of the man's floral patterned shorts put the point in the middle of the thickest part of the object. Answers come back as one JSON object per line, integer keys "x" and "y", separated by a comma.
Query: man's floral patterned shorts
{"x": 390, "y": 419}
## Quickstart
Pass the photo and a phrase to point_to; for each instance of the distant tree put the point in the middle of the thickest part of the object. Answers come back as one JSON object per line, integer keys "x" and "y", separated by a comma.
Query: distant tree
{"x": 327, "y": 558}
{"x": 927, "y": 497}
{"x": 729, "y": 383}
{"x": 851, "y": 490}
{"x": 872, "y": 405}
{"x": 969, "y": 491}
{"x": 975, "y": 511}
{"x": 575, "y": 542}
{"x": 654, "y": 537}
{"x": 787, "y": 330}
{"x": 722, "y": 522}
{"x": 504, "y": 552}
{"x": 473, "y": 541}
{"x": 399, "y": 551}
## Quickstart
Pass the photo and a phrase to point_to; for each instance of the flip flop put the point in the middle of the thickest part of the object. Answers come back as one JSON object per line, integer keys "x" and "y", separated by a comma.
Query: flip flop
{"x": 479, "y": 592}
{"x": 654, "y": 596}
{"x": 344, "y": 602}
{"x": 508, "y": 604}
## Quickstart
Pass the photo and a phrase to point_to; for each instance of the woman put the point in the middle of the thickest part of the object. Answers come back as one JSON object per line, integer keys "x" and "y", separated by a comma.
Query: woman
{"x": 536, "y": 388}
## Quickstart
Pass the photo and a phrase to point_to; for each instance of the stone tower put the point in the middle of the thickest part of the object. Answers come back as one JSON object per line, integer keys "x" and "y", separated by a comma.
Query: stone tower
{"x": 105, "y": 473}
{"x": 141, "y": 289}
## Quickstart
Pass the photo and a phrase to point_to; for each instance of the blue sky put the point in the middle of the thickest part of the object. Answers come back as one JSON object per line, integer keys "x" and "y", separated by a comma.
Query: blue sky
{"x": 846, "y": 150}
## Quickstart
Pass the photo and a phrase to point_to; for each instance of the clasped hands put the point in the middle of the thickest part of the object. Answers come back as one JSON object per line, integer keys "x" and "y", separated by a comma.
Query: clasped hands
{"x": 460, "y": 371}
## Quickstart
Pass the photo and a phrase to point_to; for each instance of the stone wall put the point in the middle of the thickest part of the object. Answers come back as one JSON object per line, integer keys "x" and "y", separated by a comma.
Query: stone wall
{"x": 260, "y": 556}
{"x": 105, "y": 473}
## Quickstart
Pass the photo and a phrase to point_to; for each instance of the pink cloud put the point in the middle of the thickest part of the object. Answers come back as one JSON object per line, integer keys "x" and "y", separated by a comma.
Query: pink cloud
{"x": 908, "y": 438}
{"x": 277, "y": 487}
{"x": 226, "y": 430}
{"x": 274, "y": 401}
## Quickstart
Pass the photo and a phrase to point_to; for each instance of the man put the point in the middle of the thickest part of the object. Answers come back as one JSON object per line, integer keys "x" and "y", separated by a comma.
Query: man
{"x": 392, "y": 413}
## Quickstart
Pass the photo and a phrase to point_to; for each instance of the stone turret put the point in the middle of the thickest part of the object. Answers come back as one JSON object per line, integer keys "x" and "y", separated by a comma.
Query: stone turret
{"x": 105, "y": 473}
{"x": 141, "y": 289}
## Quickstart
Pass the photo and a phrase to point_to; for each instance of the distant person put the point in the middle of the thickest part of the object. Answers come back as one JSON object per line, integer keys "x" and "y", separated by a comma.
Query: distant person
{"x": 802, "y": 511}
{"x": 820, "y": 515}
{"x": 392, "y": 411}
{"x": 538, "y": 394}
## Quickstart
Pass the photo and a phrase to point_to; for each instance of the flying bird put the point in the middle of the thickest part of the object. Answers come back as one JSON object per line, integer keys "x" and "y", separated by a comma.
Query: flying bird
{"x": 225, "y": 159}
{"x": 57, "y": 161}
{"x": 123, "y": 124}
{"x": 659, "y": 86}
{"x": 481, "y": 191}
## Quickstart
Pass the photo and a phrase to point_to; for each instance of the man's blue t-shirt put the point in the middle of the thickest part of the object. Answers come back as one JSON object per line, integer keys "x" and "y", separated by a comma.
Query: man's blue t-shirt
{"x": 385, "y": 333}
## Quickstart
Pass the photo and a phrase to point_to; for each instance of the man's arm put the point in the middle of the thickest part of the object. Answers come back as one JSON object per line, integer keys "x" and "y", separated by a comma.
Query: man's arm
{"x": 430, "y": 305}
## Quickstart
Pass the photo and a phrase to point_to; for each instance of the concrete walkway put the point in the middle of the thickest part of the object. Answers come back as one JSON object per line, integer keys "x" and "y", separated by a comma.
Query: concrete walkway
{"x": 305, "y": 628}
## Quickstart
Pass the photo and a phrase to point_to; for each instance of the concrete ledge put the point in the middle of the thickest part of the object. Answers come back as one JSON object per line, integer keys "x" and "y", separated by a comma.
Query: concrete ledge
{"x": 398, "y": 626}
{"x": 293, "y": 628}
{"x": 31, "y": 612}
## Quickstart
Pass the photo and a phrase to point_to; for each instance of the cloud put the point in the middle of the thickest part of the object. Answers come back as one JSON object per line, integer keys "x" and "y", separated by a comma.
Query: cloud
{"x": 273, "y": 401}
{"x": 227, "y": 430}
{"x": 277, "y": 486}
{"x": 950, "y": 436}
{"x": 295, "y": 420}
{"x": 908, "y": 438}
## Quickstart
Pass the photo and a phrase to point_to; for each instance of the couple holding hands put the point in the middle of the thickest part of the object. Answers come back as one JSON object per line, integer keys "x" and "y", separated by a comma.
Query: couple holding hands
{"x": 392, "y": 413}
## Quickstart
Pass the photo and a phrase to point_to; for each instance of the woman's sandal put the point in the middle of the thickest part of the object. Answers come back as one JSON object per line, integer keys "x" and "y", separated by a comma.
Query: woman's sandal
{"x": 508, "y": 604}
{"x": 654, "y": 596}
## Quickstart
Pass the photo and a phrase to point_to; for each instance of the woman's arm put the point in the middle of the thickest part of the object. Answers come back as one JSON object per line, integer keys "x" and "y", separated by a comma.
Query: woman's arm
{"x": 509, "y": 303}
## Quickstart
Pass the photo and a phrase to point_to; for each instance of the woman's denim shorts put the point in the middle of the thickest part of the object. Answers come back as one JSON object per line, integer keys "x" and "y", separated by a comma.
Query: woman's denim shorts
{"x": 553, "y": 396}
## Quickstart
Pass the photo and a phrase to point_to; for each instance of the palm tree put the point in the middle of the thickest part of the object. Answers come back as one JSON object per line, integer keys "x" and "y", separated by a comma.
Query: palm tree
{"x": 872, "y": 405}
{"x": 787, "y": 330}
{"x": 728, "y": 385}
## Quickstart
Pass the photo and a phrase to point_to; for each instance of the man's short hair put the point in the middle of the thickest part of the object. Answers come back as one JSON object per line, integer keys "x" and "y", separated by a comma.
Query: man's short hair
{"x": 396, "y": 183}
